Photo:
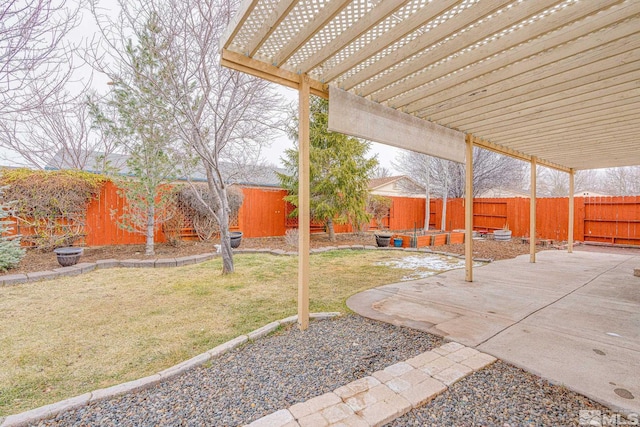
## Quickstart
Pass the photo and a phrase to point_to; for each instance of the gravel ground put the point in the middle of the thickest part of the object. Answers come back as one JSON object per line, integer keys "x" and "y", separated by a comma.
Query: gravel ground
{"x": 501, "y": 395}
{"x": 262, "y": 377}
{"x": 289, "y": 367}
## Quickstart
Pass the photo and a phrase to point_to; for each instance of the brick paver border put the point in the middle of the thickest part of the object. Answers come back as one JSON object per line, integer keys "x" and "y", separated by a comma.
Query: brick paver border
{"x": 385, "y": 395}
{"x": 85, "y": 267}
{"x": 49, "y": 411}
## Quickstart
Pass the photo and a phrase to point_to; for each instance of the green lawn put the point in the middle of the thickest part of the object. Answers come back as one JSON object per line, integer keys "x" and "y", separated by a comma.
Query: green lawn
{"x": 65, "y": 337}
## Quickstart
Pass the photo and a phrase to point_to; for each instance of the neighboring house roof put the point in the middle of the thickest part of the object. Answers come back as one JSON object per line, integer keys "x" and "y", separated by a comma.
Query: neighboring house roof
{"x": 95, "y": 162}
{"x": 248, "y": 175}
{"x": 399, "y": 186}
{"x": 379, "y": 182}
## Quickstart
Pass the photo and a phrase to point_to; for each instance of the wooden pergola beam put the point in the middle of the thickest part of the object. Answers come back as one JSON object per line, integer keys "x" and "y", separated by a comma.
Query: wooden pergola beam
{"x": 415, "y": 21}
{"x": 242, "y": 63}
{"x": 516, "y": 154}
{"x": 381, "y": 11}
{"x": 245, "y": 10}
{"x": 328, "y": 12}
{"x": 277, "y": 15}
{"x": 436, "y": 36}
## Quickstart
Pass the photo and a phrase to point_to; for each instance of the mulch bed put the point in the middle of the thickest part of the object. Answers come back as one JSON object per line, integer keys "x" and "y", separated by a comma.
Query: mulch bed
{"x": 38, "y": 261}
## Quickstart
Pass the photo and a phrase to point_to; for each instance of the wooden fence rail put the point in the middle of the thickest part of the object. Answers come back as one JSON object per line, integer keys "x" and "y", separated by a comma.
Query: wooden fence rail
{"x": 265, "y": 213}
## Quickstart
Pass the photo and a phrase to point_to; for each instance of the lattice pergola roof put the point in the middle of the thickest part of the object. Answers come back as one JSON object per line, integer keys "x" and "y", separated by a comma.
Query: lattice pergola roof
{"x": 558, "y": 80}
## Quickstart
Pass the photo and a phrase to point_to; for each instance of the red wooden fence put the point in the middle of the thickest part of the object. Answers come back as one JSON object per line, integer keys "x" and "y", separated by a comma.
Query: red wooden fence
{"x": 101, "y": 224}
{"x": 265, "y": 213}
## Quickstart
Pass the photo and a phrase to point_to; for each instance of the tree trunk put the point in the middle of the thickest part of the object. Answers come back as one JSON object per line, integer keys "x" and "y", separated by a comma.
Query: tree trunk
{"x": 332, "y": 233}
{"x": 443, "y": 223}
{"x": 225, "y": 240}
{"x": 149, "y": 246}
{"x": 427, "y": 210}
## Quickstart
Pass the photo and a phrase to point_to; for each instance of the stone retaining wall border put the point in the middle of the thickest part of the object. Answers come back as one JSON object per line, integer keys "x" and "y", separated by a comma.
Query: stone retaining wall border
{"x": 86, "y": 267}
{"x": 36, "y": 415}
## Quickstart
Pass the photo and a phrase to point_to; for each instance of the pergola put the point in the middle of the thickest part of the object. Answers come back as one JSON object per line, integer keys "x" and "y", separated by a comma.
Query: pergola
{"x": 554, "y": 83}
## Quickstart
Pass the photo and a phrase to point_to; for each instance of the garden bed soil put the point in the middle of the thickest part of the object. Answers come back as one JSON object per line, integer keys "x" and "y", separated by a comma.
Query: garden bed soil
{"x": 39, "y": 261}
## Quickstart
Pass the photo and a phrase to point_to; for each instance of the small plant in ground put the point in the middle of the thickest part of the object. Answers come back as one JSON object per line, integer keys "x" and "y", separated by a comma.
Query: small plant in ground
{"x": 291, "y": 237}
{"x": 10, "y": 251}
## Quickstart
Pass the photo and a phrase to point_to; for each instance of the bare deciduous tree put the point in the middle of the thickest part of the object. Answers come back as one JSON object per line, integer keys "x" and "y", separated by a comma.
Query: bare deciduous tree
{"x": 57, "y": 134}
{"x": 381, "y": 172}
{"x": 38, "y": 115}
{"x": 624, "y": 181}
{"x": 490, "y": 170}
{"x": 229, "y": 116}
{"x": 555, "y": 183}
{"x": 34, "y": 56}
{"x": 446, "y": 179}
{"x": 224, "y": 117}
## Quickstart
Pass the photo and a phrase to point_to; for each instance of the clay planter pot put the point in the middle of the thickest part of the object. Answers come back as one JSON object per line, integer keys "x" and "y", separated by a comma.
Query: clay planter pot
{"x": 236, "y": 239}
{"x": 68, "y": 256}
{"x": 383, "y": 239}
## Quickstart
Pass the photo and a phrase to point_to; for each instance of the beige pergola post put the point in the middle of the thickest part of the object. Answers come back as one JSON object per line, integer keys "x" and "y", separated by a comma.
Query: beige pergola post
{"x": 532, "y": 212}
{"x": 468, "y": 211}
{"x": 303, "y": 203}
{"x": 571, "y": 211}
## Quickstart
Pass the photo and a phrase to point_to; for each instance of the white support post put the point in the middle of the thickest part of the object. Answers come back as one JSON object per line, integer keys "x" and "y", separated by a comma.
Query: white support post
{"x": 303, "y": 203}
{"x": 532, "y": 212}
{"x": 468, "y": 211}
{"x": 571, "y": 211}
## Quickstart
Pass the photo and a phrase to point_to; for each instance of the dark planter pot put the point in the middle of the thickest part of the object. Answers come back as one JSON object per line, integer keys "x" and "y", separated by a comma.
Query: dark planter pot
{"x": 503, "y": 235}
{"x": 383, "y": 240}
{"x": 68, "y": 256}
{"x": 236, "y": 239}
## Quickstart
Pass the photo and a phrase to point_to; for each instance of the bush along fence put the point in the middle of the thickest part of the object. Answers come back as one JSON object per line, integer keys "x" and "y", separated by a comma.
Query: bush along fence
{"x": 264, "y": 213}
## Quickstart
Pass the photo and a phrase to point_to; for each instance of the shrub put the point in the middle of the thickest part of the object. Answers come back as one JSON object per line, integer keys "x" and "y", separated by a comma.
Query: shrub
{"x": 379, "y": 207}
{"x": 190, "y": 200}
{"x": 10, "y": 251}
{"x": 50, "y": 205}
{"x": 291, "y": 237}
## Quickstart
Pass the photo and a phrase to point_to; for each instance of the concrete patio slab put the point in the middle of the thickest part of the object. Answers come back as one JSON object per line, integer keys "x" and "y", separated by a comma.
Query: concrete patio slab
{"x": 571, "y": 318}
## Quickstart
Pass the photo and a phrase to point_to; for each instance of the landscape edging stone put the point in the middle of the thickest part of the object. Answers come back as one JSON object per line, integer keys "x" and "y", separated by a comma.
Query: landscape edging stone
{"x": 103, "y": 264}
{"x": 36, "y": 415}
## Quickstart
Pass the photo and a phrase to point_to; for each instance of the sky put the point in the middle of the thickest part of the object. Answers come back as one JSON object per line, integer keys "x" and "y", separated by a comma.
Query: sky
{"x": 272, "y": 154}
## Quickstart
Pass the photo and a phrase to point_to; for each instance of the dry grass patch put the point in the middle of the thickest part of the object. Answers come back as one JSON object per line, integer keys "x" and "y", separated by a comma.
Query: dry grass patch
{"x": 65, "y": 337}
